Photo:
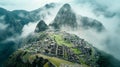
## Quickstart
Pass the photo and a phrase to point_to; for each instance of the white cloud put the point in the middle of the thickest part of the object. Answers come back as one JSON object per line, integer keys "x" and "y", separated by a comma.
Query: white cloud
{"x": 112, "y": 5}
{"x": 28, "y": 29}
{"x": 52, "y": 13}
{"x": 27, "y": 4}
{"x": 2, "y": 17}
{"x": 3, "y": 26}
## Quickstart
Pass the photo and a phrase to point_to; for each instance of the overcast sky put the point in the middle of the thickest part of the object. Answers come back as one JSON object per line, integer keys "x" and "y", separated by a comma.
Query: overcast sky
{"x": 26, "y": 4}
{"x": 32, "y": 4}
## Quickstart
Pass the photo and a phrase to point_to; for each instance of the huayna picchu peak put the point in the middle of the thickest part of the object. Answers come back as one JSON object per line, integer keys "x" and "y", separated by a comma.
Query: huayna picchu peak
{"x": 65, "y": 17}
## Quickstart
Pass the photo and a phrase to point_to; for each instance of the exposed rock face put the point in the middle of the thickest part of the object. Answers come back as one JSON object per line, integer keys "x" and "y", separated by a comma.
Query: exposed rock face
{"x": 41, "y": 26}
{"x": 65, "y": 17}
{"x": 54, "y": 49}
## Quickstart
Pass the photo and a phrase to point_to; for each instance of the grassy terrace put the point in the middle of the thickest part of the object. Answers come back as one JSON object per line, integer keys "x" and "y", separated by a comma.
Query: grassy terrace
{"x": 55, "y": 61}
{"x": 76, "y": 51}
{"x": 60, "y": 41}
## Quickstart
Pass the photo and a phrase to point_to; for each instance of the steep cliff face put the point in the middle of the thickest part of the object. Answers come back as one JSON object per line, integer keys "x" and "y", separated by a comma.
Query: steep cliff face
{"x": 54, "y": 49}
{"x": 65, "y": 17}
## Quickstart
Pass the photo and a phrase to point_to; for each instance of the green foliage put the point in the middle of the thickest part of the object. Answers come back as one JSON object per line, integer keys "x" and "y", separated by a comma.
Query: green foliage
{"x": 76, "y": 51}
{"x": 60, "y": 41}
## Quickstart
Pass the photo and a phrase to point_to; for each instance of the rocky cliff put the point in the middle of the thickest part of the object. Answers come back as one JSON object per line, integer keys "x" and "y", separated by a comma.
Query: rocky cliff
{"x": 41, "y": 26}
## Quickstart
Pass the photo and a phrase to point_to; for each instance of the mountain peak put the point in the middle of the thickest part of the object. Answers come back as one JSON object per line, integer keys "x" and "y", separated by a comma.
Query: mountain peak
{"x": 41, "y": 26}
{"x": 66, "y": 7}
{"x": 51, "y": 5}
{"x": 65, "y": 17}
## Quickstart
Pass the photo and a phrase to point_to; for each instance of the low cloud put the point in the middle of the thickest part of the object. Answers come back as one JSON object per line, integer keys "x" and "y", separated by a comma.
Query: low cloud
{"x": 25, "y": 4}
{"x": 28, "y": 29}
{"x": 3, "y": 26}
{"x": 49, "y": 14}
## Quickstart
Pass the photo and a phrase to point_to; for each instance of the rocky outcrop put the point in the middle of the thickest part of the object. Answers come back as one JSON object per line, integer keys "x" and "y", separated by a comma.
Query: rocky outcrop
{"x": 41, "y": 26}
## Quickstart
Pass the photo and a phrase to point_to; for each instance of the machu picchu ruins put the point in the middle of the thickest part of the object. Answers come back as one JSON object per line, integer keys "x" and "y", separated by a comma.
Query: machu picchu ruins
{"x": 62, "y": 45}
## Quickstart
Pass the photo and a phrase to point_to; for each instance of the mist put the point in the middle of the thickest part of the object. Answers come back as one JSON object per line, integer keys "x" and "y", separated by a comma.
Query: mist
{"x": 28, "y": 29}
{"x": 3, "y": 26}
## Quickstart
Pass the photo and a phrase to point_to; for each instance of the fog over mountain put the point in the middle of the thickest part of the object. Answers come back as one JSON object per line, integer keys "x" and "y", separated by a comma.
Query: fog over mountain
{"x": 17, "y": 22}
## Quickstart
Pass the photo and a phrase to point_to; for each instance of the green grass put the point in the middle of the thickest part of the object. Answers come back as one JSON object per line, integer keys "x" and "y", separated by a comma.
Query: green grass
{"x": 54, "y": 60}
{"x": 46, "y": 65}
{"x": 57, "y": 61}
{"x": 76, "y": 51}
{"x": 60, "y": 41}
